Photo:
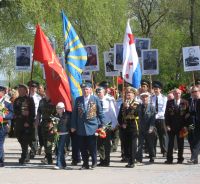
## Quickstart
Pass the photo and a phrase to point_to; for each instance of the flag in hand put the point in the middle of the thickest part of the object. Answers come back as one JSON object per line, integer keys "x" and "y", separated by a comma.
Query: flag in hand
{"x": 75, "y": 57}
{"x": 56, "y": 78}
{"x": 131, "y": 71}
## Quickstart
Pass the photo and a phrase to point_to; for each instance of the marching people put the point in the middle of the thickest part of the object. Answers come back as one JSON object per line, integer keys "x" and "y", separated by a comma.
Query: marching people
{"x": 159, "y": 101}
{"x": 175, "y": 112}
{"x": 104, "y": 144}
{"x": 45, "y": 110}
{"x": 86, "y": 116}
{"x": 24, "y": 116}
{"x": 194, "y": 124}
{"x": 63, "y": 127}
{"x": 147, "y": 113}
{"x": 6, "y": 114}
{"x": 128, "y": 120}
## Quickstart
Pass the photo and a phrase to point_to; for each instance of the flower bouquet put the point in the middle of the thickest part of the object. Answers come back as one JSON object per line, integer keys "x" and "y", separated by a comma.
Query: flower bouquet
{"x": 101, "y": 132}
{"x": 183, "y": 133}
{"x": 3, "y": 112}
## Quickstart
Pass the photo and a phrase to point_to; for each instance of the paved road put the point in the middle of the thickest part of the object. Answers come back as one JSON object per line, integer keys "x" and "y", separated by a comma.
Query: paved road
{"x": 36, "y": 173}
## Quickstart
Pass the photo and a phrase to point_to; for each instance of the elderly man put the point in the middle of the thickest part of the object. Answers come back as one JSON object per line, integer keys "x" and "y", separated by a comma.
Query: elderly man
{"x": 175, "y": 113}
{"x": 86, "y": 116}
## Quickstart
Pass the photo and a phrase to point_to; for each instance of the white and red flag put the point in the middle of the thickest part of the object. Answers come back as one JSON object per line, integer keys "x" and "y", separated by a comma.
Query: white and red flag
{"x": 131, "y": 71}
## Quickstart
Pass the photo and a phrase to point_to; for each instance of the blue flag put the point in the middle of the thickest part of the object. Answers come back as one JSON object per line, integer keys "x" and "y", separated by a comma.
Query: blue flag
{"x": 75, "y": 57}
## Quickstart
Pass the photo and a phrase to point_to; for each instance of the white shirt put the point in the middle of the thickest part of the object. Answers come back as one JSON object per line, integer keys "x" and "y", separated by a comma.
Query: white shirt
{"x": 109, "y": 110}
{"x": 162, "y": 102}
{"x": 36, "y": 99}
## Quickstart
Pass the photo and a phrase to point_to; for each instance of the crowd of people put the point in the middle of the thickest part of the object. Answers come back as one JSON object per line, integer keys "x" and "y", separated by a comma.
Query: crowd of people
{"x": 138, "y": 119}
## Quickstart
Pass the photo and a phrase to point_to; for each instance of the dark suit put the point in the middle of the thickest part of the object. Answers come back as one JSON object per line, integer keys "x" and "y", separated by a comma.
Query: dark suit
{"x": 86, "y": 121}
{"x": 175, "y": 119}
{"x": 23, "y": 61}
{"x": 194, "y": 133}
{"x": 146, "y": 122}
{"x": 150, "y": 64}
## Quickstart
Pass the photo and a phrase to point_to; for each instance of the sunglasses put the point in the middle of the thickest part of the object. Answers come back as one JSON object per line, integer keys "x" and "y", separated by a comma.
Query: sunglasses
{"x": 194, "y": 91}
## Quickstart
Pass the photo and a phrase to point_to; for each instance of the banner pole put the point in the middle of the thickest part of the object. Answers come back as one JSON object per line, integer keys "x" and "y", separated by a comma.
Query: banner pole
{"x": 193, "y": 78}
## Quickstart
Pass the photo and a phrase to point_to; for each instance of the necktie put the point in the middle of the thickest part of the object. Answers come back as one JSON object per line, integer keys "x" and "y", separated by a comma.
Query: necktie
{"x": 156, "y": 104}
{"x": 101, "y": 102}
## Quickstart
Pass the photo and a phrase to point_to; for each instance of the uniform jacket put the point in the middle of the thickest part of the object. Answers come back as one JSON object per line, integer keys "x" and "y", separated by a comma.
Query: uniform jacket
{"x": 175, "y": 115}
{"x": 64, "y": 122}
{"x": 129, "y": 116}
{"x": 146, "y": 117}
{"x": 86, "y": 119}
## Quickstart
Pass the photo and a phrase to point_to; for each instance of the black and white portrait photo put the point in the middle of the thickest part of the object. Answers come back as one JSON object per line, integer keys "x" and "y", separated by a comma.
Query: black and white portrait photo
{"x": 142, "y": 44}
{"x": 86, "y": 75}
{"x": 23, "y": 57}
{"x": 109, "y": 64}
{"x": 118, "y": 56}
{"x": 92, "y": 63}
{"x": 191, "y": 58}
{"x": 150, "y": 62}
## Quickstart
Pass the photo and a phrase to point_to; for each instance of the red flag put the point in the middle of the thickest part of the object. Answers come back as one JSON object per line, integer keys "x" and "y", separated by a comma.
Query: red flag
{"x": 56, "y": 77}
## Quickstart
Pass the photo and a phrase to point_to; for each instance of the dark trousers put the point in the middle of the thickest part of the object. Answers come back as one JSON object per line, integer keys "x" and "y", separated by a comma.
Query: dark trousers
{"x": 130, "y": 145}
{"x": 162, "y": 135}
{"x": 88, "y": 147}
{"x": 60, "y": 162}
{"x": 75, "y": 148}
{"x": 195, "y": 145}
{"x": 104, "y": 147}
{"x": 41, "y": 142}
{"x": 122, "y": 136}
{"x": 180, "y": 143}
{"x": 149, "y": 140}
{"x": 114, "y": 139}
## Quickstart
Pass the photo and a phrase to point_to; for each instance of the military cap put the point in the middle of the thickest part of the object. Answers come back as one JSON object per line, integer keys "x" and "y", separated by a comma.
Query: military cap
{"x": 2, "y": 88}
{"x": 131, "y": 90}
{"x": 86, "y": 85}
{"x": 145, "y": 82}
{"x": 104, "y": 84}
{"x": 33, "y": 83}
{"x": 99, "y": 89}
{"x": 23, "y": 86}
{"x": 157, "y": 84}
{"x": 144, "y": 94}
{"x": 60, "y": 105}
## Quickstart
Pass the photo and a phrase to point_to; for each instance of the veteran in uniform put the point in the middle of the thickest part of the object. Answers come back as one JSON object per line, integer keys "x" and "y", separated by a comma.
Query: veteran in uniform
{"x": 6, "y": 114}
{"x": 86, "y": 117}
{"x": 104, "y": 145}
{"x": 24, "y": 116}
{"x": 147, "y": 115}
{"x": 175, "y": 113}
{"x": 45, "y": 110}
{"x": 159, "y": 101}
{"x": 128, "y": 120}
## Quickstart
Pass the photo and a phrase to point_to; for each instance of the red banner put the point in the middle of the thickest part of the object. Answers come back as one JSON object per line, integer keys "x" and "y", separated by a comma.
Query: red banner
{"x": 56, "y": 78}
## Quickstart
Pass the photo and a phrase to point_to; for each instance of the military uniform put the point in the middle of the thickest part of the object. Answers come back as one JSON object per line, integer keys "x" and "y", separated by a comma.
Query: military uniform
{"x": 175, "y": 120}
{"x": 86, "y": 116}
{"x": 128, "y": 120}
{"x": 45, "y": 110}
{"x": 24, "y": 116}
{"x": 4, "y": 122}
{"x": 23, "y": 61}
{"x": 192, "y": 61}
{"x": 104, "y": 145}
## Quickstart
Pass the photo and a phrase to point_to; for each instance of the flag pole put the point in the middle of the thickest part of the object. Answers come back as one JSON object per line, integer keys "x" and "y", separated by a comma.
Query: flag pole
{"x": 31, "y": 75}
{"x": 92, "y": 81}
{"x": 150, "y": 87}
{"x": 193, "y": 78}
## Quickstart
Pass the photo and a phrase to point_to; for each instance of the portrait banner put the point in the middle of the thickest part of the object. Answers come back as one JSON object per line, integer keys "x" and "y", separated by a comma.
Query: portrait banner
{"x": 142, "y": 44}
{"x": 118, "y": 56}
{"x": 191, "y": 58}
{"x": 92, "y": 63}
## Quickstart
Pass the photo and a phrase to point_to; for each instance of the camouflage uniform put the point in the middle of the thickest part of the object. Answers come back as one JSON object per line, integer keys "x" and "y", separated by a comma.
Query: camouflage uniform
{"x": 24, "y": 113}
{"x": 45, "y": 110}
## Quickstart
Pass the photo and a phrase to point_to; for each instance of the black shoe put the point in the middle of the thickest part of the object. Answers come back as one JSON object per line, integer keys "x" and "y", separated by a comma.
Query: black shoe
{"x": 192, "y": 162}
{"x": 179, "y": 161}
{"x": 124, "y": 160}
{"x": 130, "y": 165}
{"x": 1, "y": 164}
{"x": 151, "y": 160}
{"x": 74, "y": 163}
{"x": 21, "y": 161}
{"x": 168, "y": 162}
{"x": 84, "y": 167}
{"x": 164, "y": 154}
{"x": 93, "y": 165}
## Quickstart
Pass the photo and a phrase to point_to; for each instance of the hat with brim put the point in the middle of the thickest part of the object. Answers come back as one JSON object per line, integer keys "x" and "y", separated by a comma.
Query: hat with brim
{"x": 23, "y": 86}
{"x": 60, "y": 105}
{"x": 86, "y": 85}
{"x": 131, "y": 90}
{"x": 144, "y": 94}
